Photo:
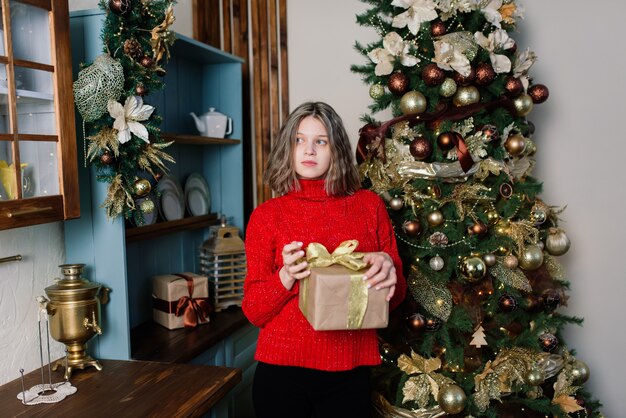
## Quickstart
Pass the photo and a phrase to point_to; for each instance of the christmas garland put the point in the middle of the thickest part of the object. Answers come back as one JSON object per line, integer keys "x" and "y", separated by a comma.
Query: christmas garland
{"x": 122, "y": 135}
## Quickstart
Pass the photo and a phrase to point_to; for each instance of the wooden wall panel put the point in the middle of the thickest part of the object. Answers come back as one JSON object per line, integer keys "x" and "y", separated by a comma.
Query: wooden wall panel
{"x": 255, "y": 30}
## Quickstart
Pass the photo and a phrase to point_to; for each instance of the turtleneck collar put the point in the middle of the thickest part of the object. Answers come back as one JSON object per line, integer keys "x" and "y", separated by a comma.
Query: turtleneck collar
{"x": 310, "y": 189}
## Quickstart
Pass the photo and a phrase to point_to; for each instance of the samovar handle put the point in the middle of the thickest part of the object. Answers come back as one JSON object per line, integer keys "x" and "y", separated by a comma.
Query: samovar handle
{"x": 94, "y": 324}
{"x": 103, "y": 296}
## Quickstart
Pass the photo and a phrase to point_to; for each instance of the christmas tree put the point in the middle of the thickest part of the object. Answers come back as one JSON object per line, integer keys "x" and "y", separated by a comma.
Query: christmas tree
{"x": 480, "y": 333}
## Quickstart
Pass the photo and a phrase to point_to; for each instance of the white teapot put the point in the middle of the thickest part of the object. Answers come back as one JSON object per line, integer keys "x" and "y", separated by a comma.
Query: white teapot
{"x": 213, "y": 124}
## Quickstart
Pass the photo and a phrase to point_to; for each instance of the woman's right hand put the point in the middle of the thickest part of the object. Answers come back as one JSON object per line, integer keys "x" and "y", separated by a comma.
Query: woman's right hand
{"x": 293, "y": 269}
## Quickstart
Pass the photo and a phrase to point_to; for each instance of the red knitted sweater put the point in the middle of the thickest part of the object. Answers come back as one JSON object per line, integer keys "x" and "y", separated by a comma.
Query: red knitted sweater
{"x": 310, "y": 215}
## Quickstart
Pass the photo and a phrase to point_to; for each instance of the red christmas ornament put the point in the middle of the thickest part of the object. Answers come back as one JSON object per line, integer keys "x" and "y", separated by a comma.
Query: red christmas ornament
{"x": 438, "y": 28}
{"x": 551, "y": 299}
{"x": 411, "y": 228}
{"x": 416, "y": 322}
{"x": 506, "y": 190}
{"x": 398, "y": 83}
{"x": 507, "y": 303}
{"x": 462, "y": 80}
{"x": 548, "y": 342}
{"x": 479, "y": 229}
{"x": 146, "y": 61}
{"x": 485, "y": 74}
{"x": 107, "y": 158}
{"x": 533, "y": 303}
{"x": 433, "y": 75}
{"x": 490, "y": 132}
{"x": 120, "y": 7}
{"x": 421, "y": 148}
{"x": 539, "y": 93}
{"x": 513, "y": 86}
{"x": 141, "y": 90}
{"x": 433, "y": 324}
{"x": 445, "y": 140}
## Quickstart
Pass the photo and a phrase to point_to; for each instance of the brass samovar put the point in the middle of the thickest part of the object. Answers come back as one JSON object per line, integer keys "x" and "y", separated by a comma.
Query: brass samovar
{"x": 74, "y": 316}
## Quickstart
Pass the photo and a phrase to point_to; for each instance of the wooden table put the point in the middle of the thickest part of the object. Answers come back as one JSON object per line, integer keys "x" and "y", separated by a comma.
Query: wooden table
{"x": 128, "y": 389}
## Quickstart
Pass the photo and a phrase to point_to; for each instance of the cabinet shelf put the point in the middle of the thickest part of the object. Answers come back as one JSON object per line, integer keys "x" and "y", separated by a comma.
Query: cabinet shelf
{"x": 29, "y": 96}
{"x": 163, "y": 228}
{"x": 197, "y": 139}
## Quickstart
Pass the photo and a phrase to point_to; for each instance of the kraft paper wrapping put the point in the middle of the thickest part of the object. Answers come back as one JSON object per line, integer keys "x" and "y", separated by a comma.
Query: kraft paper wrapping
{"x": 171, "y": 288}
{"x": 329, "y": 299}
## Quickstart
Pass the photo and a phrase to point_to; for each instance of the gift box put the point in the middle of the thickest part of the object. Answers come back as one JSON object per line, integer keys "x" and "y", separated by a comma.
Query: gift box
{"x": 335, "y": 297}
{"x": 180, "y": 300}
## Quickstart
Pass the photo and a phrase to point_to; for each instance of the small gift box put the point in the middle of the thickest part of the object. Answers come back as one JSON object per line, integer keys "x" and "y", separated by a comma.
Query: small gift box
{"x": 335, "y": 296}
{"x": 180, "y": 300}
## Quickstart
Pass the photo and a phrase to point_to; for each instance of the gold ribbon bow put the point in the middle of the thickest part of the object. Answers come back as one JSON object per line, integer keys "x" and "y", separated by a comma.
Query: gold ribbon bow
{"x": 318, "y": 256}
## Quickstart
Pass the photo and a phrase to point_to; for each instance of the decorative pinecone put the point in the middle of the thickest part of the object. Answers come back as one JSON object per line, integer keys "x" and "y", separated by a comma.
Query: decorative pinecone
{"x": 132, "y": 48}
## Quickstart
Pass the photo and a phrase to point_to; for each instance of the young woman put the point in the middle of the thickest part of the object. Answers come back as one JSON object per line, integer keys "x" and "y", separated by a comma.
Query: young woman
{"x": 302, "y": 372}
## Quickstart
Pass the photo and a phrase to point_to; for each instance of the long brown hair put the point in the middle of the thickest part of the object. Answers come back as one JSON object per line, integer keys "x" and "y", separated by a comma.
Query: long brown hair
{"x": 342, "y": 177}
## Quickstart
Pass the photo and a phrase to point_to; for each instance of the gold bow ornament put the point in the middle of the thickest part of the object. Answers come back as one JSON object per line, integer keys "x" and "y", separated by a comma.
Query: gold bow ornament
{"x": 335, "y": 296}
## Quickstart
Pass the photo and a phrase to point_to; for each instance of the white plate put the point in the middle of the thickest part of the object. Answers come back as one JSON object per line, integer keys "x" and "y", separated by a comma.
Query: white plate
{"x": 197, "y": 201}
{"x": 197, "y": 195}
{"x": 170, "y": 183}
{"x": 172, "y": 207}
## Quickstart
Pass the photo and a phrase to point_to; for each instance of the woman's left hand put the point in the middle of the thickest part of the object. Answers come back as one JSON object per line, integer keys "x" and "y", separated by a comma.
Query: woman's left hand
{"x": 382, "y": 272}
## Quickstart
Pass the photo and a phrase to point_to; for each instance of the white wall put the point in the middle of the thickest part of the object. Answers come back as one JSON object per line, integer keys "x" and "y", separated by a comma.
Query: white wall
{"x": 578, "y": 135}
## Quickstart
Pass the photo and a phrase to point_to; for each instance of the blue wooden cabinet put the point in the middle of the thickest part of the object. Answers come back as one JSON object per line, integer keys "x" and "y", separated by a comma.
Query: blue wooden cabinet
{"x": 123, "y": 259}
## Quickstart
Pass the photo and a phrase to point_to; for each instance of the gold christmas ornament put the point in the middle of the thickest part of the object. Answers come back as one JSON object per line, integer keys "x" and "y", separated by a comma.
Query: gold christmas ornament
{"x": 535, "y": 377}
{"x": 492, "y": 217}
{"x": 396, "y": 203}
{"x": 147, "y": 206}
{"x": 473, "y": 269}
{"x": 448, "y": 87}
{"x": 435, "y": 218}
{"x": 413, "y": 102}
{"x": 451, "y": 399}
{"x": 531, "y": 258}
{"x": 490, "y": 259}
{"x": 141, "y": 187}
{"x": 557, "y": 242}
{"x": 503, "y": 227}
{"x": 523, "y": 104}
{"x": 510, "y": 262}
{"x": 538, "y": 216}
{"x": 466, "y": 95}
{"x": 580, "y": 372}
{"x": 377, "y": 91}
{"x": 515, "y": 145}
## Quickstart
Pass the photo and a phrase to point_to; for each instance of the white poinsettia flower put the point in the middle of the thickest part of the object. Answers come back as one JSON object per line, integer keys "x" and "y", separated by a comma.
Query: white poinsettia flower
{"x": 128, "y": 118}
{"x": 417, "y": 11}
{"x": 523, "y": 62}
{"x": 498, "y": 40}
{"x": 394, "y": 49}
{"x": 448, "y": 58}
{"x": 492, "y": 12}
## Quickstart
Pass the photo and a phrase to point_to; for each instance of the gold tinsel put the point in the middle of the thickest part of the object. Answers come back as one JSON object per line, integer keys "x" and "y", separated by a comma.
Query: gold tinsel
{"x": 386, "y": 410}
{"x": 498, "y": 377}
{"x": 464, "y": 193}
{"x": 514, "y": 278}
{"x": 433, "y": 297}
{"x": 106, "y": 139}
{"x": 152, "y": 155}
{"x": 423, "y": 380}
{"x": 522, "y": 232}
{"x": 117, "y": 198}
{"x": 162, "y": 37}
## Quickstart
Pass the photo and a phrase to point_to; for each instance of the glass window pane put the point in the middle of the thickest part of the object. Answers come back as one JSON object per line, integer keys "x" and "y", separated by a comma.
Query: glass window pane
{"x": 5, "y": 125}
{"x": 35, "y": 102}
{"x": 7, "y": 171}
{"x": 30, "y": 32}
{"x": 39, "y": 168}
{"x": 2, "y": 50}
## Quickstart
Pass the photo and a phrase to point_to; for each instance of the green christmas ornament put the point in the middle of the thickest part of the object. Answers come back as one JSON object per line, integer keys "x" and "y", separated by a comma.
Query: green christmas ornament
{"x": 448, "y": 87}
{"x": 96, "y": 85}
{"x": 376, "y": 91}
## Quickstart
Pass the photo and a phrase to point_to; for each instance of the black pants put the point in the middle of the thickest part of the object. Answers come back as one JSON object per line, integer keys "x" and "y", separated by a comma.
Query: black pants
{"x": 296, "y": 392}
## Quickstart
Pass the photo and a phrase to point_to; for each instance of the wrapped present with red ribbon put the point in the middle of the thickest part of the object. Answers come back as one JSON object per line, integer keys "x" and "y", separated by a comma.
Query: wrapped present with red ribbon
{"x": 180, "y": 300}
